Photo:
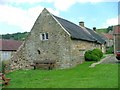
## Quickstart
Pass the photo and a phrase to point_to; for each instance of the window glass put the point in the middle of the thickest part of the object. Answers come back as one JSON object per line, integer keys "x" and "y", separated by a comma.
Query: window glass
{"x": 44, "y": 36}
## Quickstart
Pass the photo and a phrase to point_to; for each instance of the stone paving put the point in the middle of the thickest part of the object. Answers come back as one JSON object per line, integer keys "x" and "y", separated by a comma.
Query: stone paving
{"x": 108, "y": 59}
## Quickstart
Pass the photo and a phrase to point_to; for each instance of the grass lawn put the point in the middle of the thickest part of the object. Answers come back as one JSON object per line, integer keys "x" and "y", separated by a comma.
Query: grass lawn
{"x": 101, "y": 76}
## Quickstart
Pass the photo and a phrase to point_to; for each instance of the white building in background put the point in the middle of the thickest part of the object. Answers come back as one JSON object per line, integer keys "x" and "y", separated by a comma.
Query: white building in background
{"x": 7, "y": 48}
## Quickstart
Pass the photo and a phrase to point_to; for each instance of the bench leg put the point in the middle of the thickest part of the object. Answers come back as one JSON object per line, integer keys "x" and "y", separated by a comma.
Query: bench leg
{"x": 34, "y": 67}
{"x": 6, "y": 83}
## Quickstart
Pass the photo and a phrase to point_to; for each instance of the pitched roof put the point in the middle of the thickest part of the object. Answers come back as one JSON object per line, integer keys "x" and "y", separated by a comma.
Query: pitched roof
{"x": 79, "y": 32}
{"x": 116, "y": 29}
{"x": 98, "y": 38}
{"x": 9, "y": 45}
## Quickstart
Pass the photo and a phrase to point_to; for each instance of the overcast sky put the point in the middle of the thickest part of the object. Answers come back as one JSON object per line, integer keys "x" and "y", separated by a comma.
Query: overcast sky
{"x": 20, "y": 15}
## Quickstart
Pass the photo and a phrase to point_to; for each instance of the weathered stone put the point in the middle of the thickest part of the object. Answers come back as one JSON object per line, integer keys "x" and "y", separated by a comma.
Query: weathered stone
{"x": 58, "y": 47}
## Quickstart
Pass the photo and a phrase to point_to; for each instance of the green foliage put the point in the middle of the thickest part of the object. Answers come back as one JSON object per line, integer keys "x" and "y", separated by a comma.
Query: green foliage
{"x": 110, "y": 50}
{"x": 97, "y": 52}
{"x": 102, "y": 30}
{"x": 88, "y": 55}
{"x": 105, "y": 30}
{"x": 93, "y": 55}
{"x": 110, "y": 28}
{"x": 15, "y": 36}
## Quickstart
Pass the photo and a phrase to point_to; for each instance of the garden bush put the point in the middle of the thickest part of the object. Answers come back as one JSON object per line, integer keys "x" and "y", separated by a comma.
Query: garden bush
{"x": 93, "y": 55}
{"x": 110, "y": 50}
{"x": 88, "y": 55}
{"x": 97, "y": 52}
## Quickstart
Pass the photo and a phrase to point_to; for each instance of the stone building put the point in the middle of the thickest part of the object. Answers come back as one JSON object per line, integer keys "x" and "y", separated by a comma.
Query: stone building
{"x": 54, "y": 38}
{"x": 116, "y": 36}
{"x": 7, "y": 48}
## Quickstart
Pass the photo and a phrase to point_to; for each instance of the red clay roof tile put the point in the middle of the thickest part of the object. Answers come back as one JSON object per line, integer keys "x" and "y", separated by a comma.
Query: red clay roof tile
{"x": 109, "y": 36}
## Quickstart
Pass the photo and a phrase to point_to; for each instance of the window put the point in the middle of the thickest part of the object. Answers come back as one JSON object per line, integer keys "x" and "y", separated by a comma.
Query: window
{"x": 38, "y": 51}
{"x": 44, "y": 36}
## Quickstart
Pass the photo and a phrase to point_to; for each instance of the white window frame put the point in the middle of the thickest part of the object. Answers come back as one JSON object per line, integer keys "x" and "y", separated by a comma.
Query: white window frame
{"x": 44, "y": 36}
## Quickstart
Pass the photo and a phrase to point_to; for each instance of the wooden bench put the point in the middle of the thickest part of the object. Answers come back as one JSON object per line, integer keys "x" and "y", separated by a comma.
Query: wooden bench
{"x": 46, "y": 64}
{"x": 5, "y": 81}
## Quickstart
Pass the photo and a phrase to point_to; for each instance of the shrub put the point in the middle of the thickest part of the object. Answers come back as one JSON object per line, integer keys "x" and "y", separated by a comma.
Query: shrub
{"x": 97, "y": 52}
{"x": 93, "y": 55}
{"x": 110, "y": 50}
{"x": 88, "y": 55}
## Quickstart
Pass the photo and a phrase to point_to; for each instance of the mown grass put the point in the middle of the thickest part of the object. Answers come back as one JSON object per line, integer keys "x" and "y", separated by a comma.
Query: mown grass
{"x": 82, "y": 76}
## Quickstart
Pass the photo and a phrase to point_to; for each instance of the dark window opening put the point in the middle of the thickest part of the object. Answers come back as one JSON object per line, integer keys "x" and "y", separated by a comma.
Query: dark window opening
{"x": 43, "y": 36}
{"x": 15, "y": 61}
{"x": 38, "y": 51}
{"x": 46, "y": 35}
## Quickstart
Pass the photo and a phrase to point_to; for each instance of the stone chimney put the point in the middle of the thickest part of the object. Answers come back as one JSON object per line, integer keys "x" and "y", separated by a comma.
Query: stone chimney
{"x": 94, "y": 28}
{"x": 81, "y": 23}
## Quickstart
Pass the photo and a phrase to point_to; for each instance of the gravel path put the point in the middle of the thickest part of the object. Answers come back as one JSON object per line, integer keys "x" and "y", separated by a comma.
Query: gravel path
{"x": 108, "y": 59}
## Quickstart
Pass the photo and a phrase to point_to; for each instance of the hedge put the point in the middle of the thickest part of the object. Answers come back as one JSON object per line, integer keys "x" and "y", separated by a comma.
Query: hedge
{"x": 93, "y": 55}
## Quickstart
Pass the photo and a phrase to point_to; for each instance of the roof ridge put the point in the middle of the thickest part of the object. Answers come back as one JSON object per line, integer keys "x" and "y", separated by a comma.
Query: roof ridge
{"x": 65, "y": 20}
{"x": 59, "y": 23}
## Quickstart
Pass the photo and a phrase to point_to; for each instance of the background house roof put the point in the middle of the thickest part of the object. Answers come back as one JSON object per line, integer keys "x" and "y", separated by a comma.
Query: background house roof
{"x": 108, "y": 36}
{"x": 78, "y": 32}
{"x": 9, "y": 45}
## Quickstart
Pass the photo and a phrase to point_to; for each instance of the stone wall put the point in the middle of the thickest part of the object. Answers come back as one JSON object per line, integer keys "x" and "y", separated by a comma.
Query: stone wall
{"x": 78, "y": 49}
{"x": 59, "y": 46}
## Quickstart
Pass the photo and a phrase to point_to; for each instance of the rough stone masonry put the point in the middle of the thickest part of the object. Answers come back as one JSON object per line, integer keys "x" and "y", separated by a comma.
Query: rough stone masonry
{"x": 48, "y": 40}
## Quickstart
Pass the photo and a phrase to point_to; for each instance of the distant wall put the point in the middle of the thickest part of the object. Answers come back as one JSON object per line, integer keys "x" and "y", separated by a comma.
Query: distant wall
{"x": 78, "y": 49}
{"x": 6, "y": 55}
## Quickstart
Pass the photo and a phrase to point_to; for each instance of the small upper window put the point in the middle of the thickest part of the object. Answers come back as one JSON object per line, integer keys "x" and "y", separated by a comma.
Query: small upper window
{"x": 44, "y": 36}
